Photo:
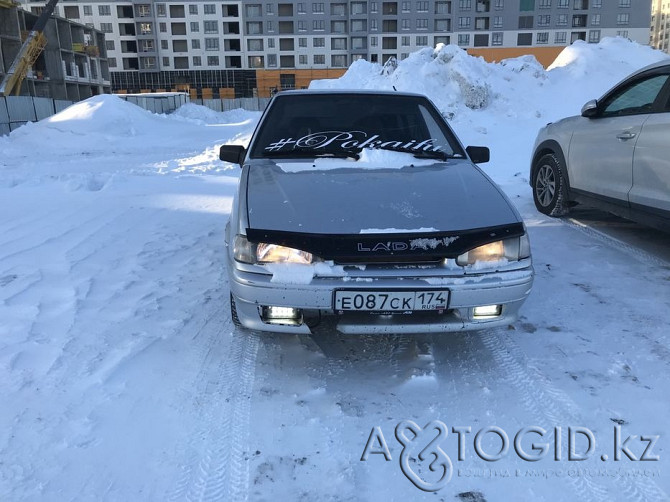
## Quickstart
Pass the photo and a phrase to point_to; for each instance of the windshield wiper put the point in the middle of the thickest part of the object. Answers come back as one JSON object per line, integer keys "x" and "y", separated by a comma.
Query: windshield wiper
{"x": 311, "y": 154}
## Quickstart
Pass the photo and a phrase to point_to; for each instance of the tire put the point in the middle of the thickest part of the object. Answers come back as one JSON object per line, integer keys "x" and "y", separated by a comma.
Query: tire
{"x": 550, "y": 187}
{"x": 233, "y": 312}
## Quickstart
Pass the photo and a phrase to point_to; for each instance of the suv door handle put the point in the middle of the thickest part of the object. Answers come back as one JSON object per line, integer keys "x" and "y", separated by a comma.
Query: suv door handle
{"x": 626, "y": 135}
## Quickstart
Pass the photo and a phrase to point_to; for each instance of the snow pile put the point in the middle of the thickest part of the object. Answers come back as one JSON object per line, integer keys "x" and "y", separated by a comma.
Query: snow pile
{"x": 203, "y": 115}
{"x": 459, "y": 83}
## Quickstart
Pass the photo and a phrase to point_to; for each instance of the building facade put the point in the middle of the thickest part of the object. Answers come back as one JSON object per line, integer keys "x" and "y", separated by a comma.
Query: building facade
{"x": 245, "y": 48}
{"x": 73, "y": 64}
{"x": 660, "y": 25}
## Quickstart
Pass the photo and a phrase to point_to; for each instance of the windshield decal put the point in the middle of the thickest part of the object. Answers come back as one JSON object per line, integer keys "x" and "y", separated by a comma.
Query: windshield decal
{"x": 348, "y": 140}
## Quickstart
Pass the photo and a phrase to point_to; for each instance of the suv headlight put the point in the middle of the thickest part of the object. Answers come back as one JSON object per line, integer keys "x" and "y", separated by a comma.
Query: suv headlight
{"x": 513, "y": 249}
{"x": 261, "y": 253}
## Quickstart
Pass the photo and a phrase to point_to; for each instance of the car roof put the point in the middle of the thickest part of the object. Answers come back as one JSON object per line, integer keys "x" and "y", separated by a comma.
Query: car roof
{"x": 349, "y": 91}
{"x": 659, "y": 64}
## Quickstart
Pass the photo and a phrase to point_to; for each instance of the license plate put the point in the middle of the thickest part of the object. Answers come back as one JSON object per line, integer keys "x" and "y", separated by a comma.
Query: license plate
{"x": 391, "y": 301}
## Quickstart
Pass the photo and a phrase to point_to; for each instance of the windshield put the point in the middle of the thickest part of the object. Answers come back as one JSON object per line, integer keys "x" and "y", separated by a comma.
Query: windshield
{"x": 342, "y": 125}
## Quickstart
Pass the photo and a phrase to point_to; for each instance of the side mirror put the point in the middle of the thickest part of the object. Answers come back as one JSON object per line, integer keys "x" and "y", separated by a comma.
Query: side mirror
{"x": 590, "y": 109}
{"x": 232, "y": 153}
{"x": 478, "y": 154}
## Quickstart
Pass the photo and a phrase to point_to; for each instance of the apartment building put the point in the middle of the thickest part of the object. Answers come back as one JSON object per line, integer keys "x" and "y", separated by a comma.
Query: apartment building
{"x": 660, "y": 25}
{"x": 245, "y": 48}
{"x": 72, "y": 66}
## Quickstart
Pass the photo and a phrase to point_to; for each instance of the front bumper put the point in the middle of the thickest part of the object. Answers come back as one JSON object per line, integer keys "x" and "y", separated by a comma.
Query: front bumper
{"x": 508, "y": 288}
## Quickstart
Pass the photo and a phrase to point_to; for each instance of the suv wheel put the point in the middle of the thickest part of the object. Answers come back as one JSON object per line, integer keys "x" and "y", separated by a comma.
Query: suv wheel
{"x": 550, "y": 186}
{"x": 233, "y": 312}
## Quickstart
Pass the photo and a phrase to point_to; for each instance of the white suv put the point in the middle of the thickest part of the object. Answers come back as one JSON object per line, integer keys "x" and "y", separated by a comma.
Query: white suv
{"x": 615, "y": 156}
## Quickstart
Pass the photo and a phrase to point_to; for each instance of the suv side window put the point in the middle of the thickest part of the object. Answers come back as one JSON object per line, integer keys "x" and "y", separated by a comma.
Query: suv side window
{"x": 635, "y": 99}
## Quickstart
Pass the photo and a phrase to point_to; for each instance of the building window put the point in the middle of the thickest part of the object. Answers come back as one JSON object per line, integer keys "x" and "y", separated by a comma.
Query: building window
{"x": 166, "y": 61}
{"x": 338, "y": 44}
{"x": 581, "y": 4}
{"x": 542, "y": 37}
{"x": 71, "y": 12}
{"x": 624, "y": 3}
{"x": 209, "y": 8}
{"x": 405, "y": 24}
{"x": 254, "y": 27}
{"x": 193, "y": 9}
{"x": 497, "y": 38}
{"x": 406, "y": 7}
{"x": 499, "y": 4}
{"x": 359, "y": 25}
{"x": 464, "y": 5}
{"x": 594, "y": 36}
{"x": 111, "y": 62}
{"x": 463, "y": 39}
{"x": 253, "y": 10}
{"x": 269, "y": 9}
{"x": 106, "y": 28}
{"x": 563, "y": 4}
{"x": 162, "y": 27}
{"x": 623, "y": 33}
{"x": 422, "y": 6}
{"x": 318, "y": 8}
{"x": 212, "y": 60}
{"x": 109, "y": 45}
{"x": 270, "y": 26}
{"x": 197, "y": 61}
{"x": 597, "y": 4}
{"x": 373, "y": 25}
{"x": 482, "y": 23}
{"x": 562, "y": 20}
{"x": 164, "y": 45}
{"x": 442, "y": 8}
{"x": 338, "y": 9}
{"x": 524, "y": 39}
{"x": 622, "y": 19}
{"x": 443, "y": 25}
{"x": 211, "y": 44}
{"x": 302, "y": 42}
{"x": 195, "y": 43}
{"x": 271, "y": 43}
{"x": 446, "y": 40}
{"x": 481, "y": 40}
{"x": 422, "y": 24}
{"x": 302, "y": 59}
{"x": 105, "y": 10}
{"x": 195, "y": 26}
{"x": 561, "y": 37}
{"x": 545, "y": 4}
{"x": 256, "y": 62}
{"x": 358, "y": 8}
{"x": 211, "y": 27}
{"x": 272, "y": 60}
{"x": 463, "y": 23}
{"x": 338, "y": 60}
{"x": 302, "y": 26}
{"x": 146, "y": 28}
{"x": 319, "y": 25}
{"x": 544, "y": 20}
{"x": 373, "y": 7}
{"x": 525, "y": 22}
{"x": 421, "y": 41}
{"x": 359, "y": 43}
{"x": 338, "y": 26}
{"x": 497, "y": 21}
{"x": 88, "y": 10}
{"x": 405, "y": 41}
{"x": 595, "y": 19}
{"x": 255, "y": 44}
{"x": 161, "y": 11}
{"x": 319, "y": 42}
{"x": 319, "y": 59}
{"x": 301, "y": 8}
{"x": 527, "y": 5}
{"x": 373, "y": 41}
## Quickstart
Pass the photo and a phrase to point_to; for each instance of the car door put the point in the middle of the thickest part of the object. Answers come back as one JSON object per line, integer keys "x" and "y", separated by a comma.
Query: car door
{"x": 600, "y": 159}
{"x": 651, "y": 163}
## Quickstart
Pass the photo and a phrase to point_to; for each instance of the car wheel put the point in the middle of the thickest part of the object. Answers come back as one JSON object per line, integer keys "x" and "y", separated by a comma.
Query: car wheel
{"x": 233, "y": 312}
{"x": 550, "y": 186}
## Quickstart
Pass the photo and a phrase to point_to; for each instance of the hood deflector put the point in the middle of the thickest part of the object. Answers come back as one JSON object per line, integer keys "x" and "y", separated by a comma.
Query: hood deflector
{"x": 361, "y": 248}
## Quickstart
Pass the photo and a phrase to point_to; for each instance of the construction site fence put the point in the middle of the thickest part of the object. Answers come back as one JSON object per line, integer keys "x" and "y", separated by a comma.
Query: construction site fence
{"x": 16, "y": 111}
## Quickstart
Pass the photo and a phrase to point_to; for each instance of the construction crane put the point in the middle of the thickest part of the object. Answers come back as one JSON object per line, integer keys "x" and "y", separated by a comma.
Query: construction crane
{"x": 29, "y": 52}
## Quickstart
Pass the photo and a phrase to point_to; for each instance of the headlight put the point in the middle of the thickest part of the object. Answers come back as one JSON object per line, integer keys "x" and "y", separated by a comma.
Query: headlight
{"x": 273, "y": 253}
{"x": 247, "y": 252}
{"x": 513, "y": 249}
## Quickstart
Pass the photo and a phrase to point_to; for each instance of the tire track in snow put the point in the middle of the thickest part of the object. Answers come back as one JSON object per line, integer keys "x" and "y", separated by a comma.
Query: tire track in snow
{"x": 223, "y": 387}
{"x": 547, "y": 402}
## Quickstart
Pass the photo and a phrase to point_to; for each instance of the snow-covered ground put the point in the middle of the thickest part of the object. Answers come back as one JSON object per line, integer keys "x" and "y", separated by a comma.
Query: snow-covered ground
{"x": 123, "y": 378}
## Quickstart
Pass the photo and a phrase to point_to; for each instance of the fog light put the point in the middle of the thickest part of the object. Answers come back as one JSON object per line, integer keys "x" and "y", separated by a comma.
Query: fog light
{"x": 281, "y": 315}
{"x": 487, "y": 311}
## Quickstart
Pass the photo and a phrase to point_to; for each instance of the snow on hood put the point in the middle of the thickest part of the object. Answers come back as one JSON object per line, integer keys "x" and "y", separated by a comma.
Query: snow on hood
{"x": 370, "y": 158}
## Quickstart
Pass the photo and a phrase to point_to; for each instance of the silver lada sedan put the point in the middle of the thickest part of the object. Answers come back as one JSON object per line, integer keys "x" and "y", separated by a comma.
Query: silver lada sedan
{"x": 365, "y": 208}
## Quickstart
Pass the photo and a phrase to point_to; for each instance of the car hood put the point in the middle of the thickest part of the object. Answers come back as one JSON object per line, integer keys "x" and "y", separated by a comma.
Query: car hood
{"x": 451, "y": 196}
